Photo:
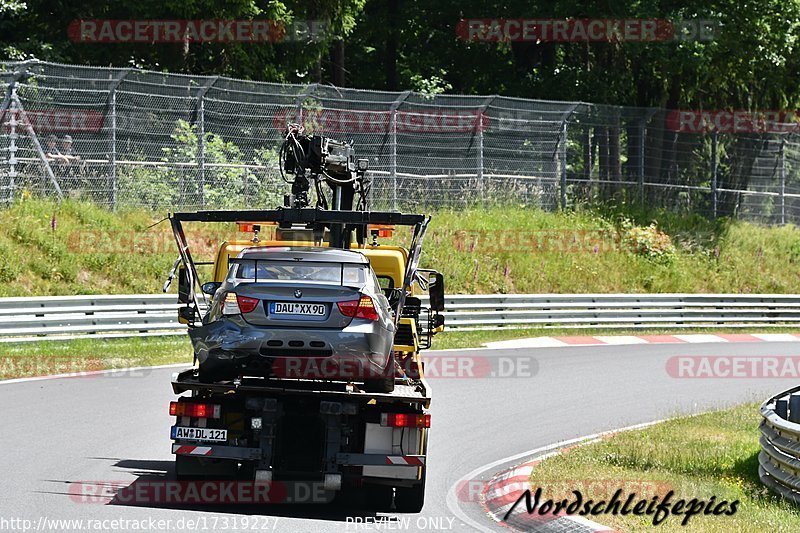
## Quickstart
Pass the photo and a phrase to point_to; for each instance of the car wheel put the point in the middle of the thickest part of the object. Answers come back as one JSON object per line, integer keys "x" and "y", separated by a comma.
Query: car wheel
{"x": 385, "y": 383}
{"x": 382, "y": 385}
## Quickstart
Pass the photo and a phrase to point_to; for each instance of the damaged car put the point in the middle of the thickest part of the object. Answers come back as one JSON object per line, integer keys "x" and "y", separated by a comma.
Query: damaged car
{"x": 297, "y": 313}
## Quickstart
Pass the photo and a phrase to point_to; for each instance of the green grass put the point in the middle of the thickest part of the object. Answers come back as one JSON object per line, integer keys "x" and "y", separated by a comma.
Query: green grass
{"x": 81, "y": 355}
{"x": 713, "y": 454}
{"x": 508, "y": 250}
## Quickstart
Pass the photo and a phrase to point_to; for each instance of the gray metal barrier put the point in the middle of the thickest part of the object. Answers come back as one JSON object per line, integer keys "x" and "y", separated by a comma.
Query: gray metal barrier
{"x": 779, "y": 459}
{"x": 155, "y": 314}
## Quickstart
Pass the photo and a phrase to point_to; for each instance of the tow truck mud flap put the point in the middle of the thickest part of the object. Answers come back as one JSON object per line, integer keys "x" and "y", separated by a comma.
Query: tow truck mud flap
{"x": 216, "y": 346}
{"x": 216, "y": 452}
{"x": 390, "y": 453}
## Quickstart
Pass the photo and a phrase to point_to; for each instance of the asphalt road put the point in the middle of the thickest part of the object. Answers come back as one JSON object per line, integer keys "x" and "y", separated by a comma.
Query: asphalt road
{"x": 58, "y": 436}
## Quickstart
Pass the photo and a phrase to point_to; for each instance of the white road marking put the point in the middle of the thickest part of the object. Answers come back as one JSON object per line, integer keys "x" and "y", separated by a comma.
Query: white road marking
{"x": 698, "y": 338}
{"x": 776, "y": 337}
{"x": 621, "y": 339}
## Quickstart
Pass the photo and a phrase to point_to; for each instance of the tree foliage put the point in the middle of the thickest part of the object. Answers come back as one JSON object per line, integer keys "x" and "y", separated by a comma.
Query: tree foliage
{"x": 753, "y": 61}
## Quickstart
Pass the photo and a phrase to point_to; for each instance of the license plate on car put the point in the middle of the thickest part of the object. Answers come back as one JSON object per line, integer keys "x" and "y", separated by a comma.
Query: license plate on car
{"x": 201, "y": 434}
{"x": 296, "y": 308}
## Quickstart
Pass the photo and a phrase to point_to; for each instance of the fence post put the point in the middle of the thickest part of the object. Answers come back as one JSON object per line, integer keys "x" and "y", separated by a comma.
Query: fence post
{"x": 783, "y": 180}
{"x": 17, "y": 107}
{"x": 714, "y": 172}
{"x": 393, "y": 143}
{"x": 479, "y": 173}
{"x": 561, "y": 149}
{"x": 563, "y": 169}
{"x": 201, "y": 143}
{"x": 640, "y": 170}
{"x": 12, "y": 143}
{"x": 113, "y": 110}
{"x": 479, "y": 125}
{"x": 8, "y": 100}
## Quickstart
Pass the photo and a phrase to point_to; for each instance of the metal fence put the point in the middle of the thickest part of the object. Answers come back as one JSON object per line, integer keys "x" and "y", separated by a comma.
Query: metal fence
{"x": 160, "y": 141}
{"x": 32, "y": 319}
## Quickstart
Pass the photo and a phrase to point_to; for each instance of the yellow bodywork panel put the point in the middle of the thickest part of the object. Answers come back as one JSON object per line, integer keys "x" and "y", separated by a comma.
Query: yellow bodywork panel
{"x": 388, "y": 261}
{"x": 410, "y": 325}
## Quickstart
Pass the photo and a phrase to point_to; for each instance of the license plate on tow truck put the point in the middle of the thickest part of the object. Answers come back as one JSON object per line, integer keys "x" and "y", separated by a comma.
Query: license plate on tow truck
{"x": 199, "y": 434}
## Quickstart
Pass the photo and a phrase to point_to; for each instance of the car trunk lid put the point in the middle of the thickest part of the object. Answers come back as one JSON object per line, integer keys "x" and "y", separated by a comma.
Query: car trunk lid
{"x": 295, "y": 304}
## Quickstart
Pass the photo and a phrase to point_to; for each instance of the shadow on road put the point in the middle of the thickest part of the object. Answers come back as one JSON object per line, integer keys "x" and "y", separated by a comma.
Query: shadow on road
{"x": 156, "y": 487}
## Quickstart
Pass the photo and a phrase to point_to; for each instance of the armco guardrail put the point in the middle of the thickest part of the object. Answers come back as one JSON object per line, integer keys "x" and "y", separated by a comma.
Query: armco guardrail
{"x": 779, "y": 459}
{"x": 155, "y": 314}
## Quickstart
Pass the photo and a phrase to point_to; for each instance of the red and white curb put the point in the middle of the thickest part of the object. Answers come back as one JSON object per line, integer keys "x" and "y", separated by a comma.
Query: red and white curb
{"x": 622, "y": 340}
{"x": 509, "y": 485}
{"x": 505, "y": 487}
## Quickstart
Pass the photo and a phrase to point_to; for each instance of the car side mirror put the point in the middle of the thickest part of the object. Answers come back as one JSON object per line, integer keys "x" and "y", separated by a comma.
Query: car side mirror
{"x": 211, "y": 287}
{"x": 184, "y": 287}
{"x": 436, "y": 291}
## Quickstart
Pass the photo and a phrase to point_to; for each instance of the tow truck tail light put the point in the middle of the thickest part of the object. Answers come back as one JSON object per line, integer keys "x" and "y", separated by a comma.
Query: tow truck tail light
{"x": 405, "y": 420}
{"x": 361, "y": 308}
{"x": 194, "y": 410}
{"x": 236, "y": 305}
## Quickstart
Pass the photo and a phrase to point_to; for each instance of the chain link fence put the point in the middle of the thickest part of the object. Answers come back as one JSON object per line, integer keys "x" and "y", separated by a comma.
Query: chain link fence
{"x": 172, "y": 141}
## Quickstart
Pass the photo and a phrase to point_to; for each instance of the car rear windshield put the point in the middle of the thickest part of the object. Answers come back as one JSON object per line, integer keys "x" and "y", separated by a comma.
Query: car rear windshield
{"x": 269, "y": 270}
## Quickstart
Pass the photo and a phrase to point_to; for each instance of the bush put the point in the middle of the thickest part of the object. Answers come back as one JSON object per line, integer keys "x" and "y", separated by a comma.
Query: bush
{"x": 647, "y": 241}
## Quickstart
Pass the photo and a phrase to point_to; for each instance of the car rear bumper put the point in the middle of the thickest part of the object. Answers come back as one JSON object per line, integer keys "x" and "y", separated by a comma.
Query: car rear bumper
{"x": 232, "y": 346}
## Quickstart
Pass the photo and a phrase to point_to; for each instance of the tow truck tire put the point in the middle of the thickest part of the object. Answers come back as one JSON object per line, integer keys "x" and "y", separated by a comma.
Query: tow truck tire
{"x": 378, "y": 497}
{"x": 410, "y": 499}
{"x": 196, "y": 468}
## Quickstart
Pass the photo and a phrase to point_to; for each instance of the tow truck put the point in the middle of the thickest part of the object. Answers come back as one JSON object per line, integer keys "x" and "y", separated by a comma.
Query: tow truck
{"x": 328, "y": 435}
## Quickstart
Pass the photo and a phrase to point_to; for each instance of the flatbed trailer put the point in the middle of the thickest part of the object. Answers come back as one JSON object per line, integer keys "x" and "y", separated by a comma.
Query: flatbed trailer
{"x": 404, "y": 390}
{"x": 331, "y": 436}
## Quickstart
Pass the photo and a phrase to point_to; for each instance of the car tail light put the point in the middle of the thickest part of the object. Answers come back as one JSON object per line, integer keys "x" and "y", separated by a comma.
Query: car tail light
{"x": 361, "y": 308}
{"x": 236, "y": 305}
{"x": 246, "y": 304}
{"x": 194, "y": 410}
{"x": 230, "y": 306}
{"x": 405, "y": 420}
